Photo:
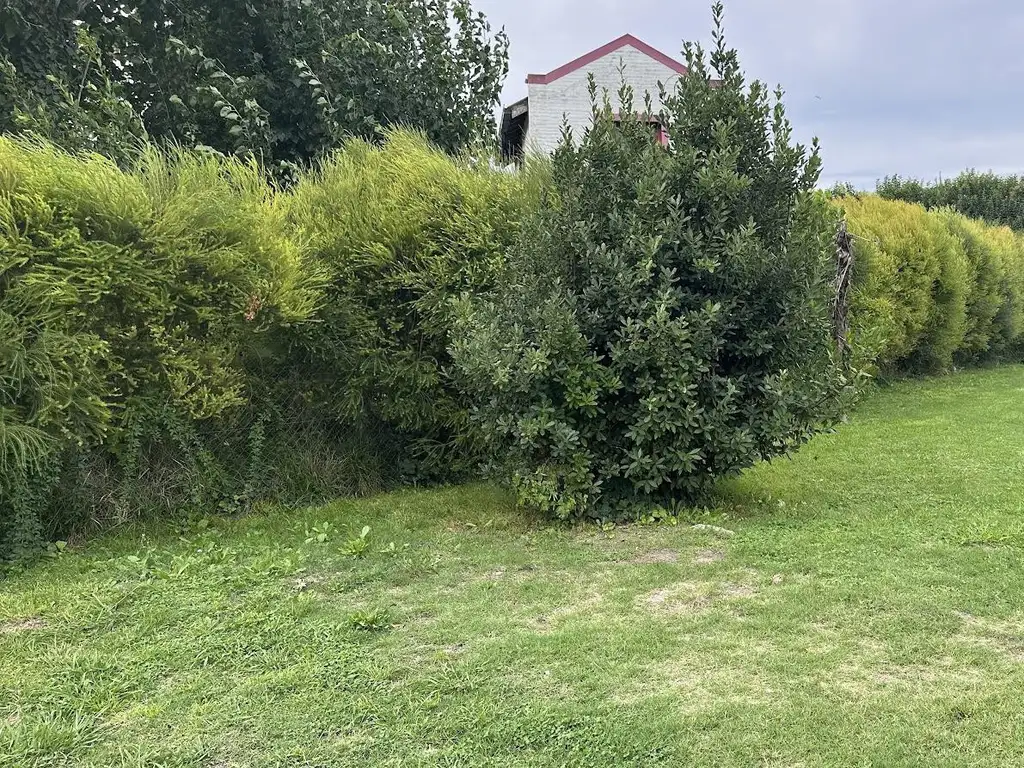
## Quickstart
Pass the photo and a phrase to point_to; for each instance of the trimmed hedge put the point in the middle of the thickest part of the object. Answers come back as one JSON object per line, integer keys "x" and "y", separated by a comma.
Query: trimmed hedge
{"x": 933, "y": 288}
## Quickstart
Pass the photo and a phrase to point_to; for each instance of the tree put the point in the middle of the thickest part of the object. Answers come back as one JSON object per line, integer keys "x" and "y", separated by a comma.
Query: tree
{"x": 54, "y": 83}
{"x": 282, "y": 80}
{"x": 664, "y": 320}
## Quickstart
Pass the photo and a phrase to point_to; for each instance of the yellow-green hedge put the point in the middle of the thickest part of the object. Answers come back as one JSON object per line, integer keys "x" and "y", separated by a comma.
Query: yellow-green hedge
{"x": 933, "y": 289}
{"x": 187, "y": 310}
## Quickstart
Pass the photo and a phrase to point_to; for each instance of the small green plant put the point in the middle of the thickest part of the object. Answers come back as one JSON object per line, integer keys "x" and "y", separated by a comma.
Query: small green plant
{"x": 57, "y": 549}
{"x": 393, "y": 549}
{"x": 372, "y": 620}
{"x": 360, "y": 545}
{"x": 320, "y": 533}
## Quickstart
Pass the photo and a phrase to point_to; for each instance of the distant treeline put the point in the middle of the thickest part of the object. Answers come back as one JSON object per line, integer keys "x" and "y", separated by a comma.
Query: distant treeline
{"x": 996, "y": 199}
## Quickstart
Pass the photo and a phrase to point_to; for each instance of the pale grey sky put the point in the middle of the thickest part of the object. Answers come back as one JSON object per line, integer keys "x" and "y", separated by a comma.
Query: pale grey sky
{"x": 916, "y": 87}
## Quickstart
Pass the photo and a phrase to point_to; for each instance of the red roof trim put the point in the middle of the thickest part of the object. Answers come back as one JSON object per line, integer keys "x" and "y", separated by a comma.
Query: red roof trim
{"x": 604, "y": 50}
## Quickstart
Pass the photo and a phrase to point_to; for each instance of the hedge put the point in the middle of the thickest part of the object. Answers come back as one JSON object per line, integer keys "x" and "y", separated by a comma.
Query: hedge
{"x": 988, "y": 196}
{"x": 184, "y": 336}
{"x": 933, "y": 289}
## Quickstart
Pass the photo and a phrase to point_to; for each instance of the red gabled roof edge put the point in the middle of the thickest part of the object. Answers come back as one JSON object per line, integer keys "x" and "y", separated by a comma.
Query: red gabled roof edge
{"x": 604, "y": 50}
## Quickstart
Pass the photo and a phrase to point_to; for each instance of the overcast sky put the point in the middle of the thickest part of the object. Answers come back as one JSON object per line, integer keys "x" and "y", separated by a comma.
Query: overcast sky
{"x": 916, "y": 87}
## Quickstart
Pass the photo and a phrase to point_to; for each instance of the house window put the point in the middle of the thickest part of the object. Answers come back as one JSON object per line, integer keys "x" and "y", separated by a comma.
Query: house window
{"x": 658, "y": 131}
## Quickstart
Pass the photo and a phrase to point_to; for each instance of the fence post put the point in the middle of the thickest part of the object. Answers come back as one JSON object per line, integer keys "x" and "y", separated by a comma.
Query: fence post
{"x": 844, "y": 281}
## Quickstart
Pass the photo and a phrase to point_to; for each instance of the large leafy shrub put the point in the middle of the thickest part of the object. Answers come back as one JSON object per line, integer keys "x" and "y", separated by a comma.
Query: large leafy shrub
{"x": 664, "y": 319}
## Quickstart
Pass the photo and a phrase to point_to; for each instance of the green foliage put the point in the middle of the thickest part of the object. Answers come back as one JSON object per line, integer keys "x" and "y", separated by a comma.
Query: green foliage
{"x": 985, "y": 295}
{"x": 372, "y": 620}
{"x": 54, "y": 83}
{"x": 664, "y": 320}
{"x": 320, "y": 533}
{"x": 130, "y": 303}
{"x": 1009, "y": 321}
{"x": 932, "y": 288}
{"x": 996, "y": 199}
{"x": 182, "y": 336}
{"x": 400, "y": 230}
{"x": 280, "y": 80}
{"x": 359, "y": 545}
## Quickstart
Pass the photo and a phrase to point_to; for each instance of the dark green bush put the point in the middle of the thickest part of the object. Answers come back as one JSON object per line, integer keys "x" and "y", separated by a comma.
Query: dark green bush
{"x": 664, "y": 319}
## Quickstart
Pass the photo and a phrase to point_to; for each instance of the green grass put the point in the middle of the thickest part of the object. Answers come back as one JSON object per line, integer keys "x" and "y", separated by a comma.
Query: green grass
{"x": 868, "y": 611}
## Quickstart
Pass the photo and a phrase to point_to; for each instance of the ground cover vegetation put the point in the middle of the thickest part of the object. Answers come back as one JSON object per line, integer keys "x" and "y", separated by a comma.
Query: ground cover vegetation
{"x": 858, "y": 605}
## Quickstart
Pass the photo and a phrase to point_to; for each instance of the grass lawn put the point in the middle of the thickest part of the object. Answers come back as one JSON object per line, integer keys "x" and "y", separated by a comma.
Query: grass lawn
{"x": 867, "y": 611}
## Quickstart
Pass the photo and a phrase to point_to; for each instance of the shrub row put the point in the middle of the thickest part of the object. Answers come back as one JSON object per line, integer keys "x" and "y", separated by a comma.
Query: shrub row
{"x": 934, "y": 289}
{"x": 996, "y": 199}
{"x": 183, "y": 335}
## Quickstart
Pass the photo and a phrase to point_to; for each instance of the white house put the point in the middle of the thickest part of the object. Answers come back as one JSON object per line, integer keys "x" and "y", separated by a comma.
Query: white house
{"x": 534, "y": 124}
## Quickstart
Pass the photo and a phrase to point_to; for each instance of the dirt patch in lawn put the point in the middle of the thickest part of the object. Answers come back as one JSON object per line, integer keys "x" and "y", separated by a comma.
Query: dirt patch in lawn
{"x": 1004, "y": 637}
{"x": 708, "y": 556}
{"x": 733, "y": 590}
{"x": 15, "y": 626}
{"x": 679, "y": 599}
{"x": 549, "y": 621}
{"x": 304, "y": 583}
{"x": 656, "y": 556}
{"x": 864, "y": 677}
{"x": 689, "y": 597}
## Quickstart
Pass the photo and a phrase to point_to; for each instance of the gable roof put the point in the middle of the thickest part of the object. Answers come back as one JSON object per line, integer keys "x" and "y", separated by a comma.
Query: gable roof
{"x": 604, "y": 50}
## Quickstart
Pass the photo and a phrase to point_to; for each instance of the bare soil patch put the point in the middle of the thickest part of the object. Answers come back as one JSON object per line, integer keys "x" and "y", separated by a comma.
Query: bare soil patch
{"x": 656, "y": 556}
{"x": 16, "y": 626}
{"x": 708, "y": 556}
{"x": 693, "y": 597}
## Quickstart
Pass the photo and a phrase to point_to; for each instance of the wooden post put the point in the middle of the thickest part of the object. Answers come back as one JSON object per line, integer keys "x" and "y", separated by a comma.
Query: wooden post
{"x": 844, "y": 282}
